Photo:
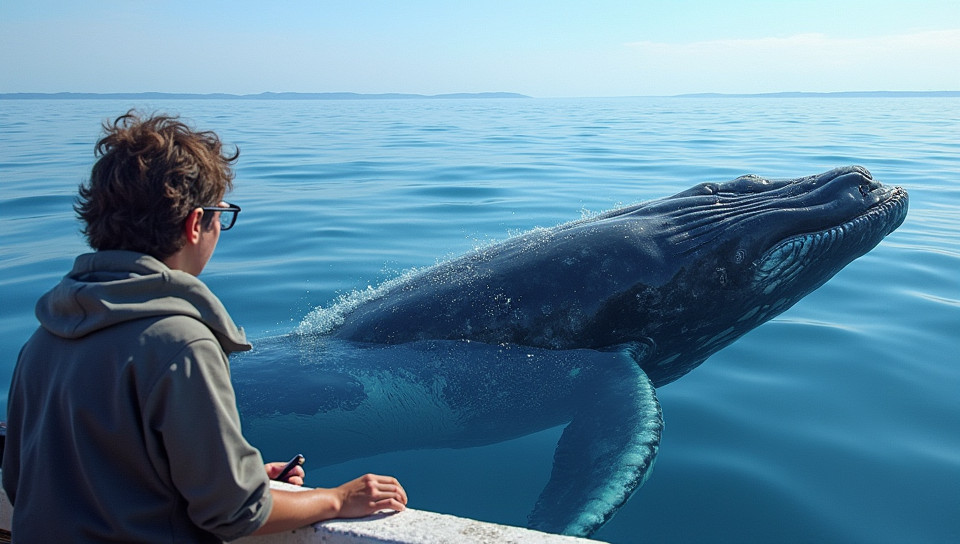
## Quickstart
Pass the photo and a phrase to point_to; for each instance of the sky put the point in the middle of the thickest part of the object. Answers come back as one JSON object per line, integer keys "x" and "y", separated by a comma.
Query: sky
{"x": 551, "y": 48}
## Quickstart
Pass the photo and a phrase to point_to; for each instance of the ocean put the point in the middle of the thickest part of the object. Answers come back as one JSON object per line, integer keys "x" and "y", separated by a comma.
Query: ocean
{"x": 838, "y": 421}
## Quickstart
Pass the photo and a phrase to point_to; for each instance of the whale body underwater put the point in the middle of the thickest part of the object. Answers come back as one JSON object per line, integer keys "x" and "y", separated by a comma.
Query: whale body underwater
{"x": 574, "y": 325}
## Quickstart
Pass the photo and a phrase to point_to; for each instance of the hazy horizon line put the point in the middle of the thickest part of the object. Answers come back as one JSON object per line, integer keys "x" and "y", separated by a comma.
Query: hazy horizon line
{"x": 271, "y": 95}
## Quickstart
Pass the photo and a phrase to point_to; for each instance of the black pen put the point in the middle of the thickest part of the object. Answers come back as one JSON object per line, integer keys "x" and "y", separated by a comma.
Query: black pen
{"x": 295, "y": 462}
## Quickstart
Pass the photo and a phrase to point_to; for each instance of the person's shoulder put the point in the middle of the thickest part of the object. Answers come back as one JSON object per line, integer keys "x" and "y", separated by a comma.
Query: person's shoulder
{"x": 177, "y": 329}
{"x": 180, "y": 340}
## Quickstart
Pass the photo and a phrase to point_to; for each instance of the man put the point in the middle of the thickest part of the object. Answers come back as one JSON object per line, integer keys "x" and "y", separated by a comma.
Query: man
{"x": 122, "y": 422}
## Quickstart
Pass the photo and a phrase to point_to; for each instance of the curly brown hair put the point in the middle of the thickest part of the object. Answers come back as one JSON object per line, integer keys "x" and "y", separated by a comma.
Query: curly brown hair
{"x": 150, "y": 175}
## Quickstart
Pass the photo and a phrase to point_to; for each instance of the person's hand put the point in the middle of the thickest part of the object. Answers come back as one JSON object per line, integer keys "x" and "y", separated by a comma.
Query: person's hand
{"x": 370, "y": 493}
{"x": 355, "y": 499}
{"x": 295, "y": 476}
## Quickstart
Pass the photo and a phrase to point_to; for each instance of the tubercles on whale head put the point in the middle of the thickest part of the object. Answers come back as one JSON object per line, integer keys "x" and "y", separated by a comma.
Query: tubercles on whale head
{"x": 766, "y": 245}
{"x": 751, "y": 217}
{"x": 825, "y": 251}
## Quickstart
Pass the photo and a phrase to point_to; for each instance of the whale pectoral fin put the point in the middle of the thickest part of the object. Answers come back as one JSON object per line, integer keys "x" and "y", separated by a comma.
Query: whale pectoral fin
{"x": 604, "y": 454}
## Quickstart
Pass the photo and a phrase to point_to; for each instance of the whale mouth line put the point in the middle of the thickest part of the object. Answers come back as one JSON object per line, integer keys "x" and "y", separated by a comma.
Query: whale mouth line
{"x": 889, "y": 212}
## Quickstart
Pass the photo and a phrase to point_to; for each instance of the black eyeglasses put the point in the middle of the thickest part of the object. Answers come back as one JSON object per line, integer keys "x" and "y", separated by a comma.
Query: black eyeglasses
{"x": 228, "y": 214}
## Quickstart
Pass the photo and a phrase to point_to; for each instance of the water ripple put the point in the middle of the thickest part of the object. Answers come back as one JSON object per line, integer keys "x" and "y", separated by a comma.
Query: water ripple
{"x": 834, "y": 423}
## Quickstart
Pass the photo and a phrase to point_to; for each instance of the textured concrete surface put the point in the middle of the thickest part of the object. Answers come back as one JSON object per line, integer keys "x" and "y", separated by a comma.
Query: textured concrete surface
{"x": 412, "y": 527}
{"x": 408, "y": 527}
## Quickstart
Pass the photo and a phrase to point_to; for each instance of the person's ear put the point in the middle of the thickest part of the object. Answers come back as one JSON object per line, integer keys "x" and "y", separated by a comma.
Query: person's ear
{"x": 193, "y": 227}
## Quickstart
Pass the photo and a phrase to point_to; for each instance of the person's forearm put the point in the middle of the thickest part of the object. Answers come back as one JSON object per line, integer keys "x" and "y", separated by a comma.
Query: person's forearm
{"x": 295, "y": 509}
{"x": 356, "y": 498}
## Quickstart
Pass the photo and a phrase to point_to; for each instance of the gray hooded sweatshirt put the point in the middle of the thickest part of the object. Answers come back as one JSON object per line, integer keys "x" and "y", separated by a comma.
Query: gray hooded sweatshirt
{"x": 122, "y": 422}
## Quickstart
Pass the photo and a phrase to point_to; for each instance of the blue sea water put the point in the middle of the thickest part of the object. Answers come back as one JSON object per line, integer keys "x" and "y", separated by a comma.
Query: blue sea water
{"x": 838, "y": 421}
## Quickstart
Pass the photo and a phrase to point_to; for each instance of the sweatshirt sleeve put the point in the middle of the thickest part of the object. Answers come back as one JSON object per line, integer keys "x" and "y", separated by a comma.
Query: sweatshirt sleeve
{"x": 192, "y": 411}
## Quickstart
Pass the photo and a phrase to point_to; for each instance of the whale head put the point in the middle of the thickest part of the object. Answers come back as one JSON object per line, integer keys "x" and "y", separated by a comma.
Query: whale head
{"x": 737, "y": 254}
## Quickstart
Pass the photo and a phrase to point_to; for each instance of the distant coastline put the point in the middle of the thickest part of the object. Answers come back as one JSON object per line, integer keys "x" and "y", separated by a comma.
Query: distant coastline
{"x": 261, "y": 96}
{"x": 842, "y": 94}
{"x": 407, "y": 96}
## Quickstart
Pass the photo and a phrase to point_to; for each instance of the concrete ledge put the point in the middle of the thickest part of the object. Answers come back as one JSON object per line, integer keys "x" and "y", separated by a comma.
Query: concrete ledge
{"x": 407, "y": 527}
{"x": 412, "y": 527}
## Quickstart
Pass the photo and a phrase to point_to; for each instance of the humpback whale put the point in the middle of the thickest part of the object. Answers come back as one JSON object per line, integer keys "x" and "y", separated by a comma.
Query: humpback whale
{"x": 575, "y": 325}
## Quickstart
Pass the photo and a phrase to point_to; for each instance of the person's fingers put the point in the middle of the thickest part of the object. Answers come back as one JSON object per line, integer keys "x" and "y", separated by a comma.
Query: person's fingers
{"x": 391, "y": 491}
{"x": 295, "y": 476}
{"x": 389, "y": 504}
{"x": 390, "y": 485}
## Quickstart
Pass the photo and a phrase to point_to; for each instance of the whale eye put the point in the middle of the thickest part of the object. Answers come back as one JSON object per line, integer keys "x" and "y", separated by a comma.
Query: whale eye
{"x": 739, "y": 256}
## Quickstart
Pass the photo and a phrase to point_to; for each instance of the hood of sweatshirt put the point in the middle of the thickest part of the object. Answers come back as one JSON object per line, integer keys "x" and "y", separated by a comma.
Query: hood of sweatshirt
{"x": 110, "y": 287}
